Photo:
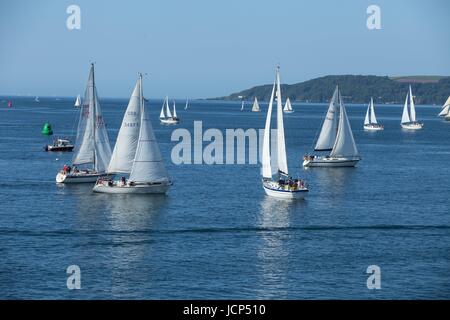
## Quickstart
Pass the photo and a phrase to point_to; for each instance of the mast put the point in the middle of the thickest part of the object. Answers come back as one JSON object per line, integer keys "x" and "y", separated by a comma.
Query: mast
{"x": 94, "y": 113}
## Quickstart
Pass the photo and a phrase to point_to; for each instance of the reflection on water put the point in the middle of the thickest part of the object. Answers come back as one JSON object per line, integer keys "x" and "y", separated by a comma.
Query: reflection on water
{"x": 273, "y": 252}
{"x": 334, "y": 181}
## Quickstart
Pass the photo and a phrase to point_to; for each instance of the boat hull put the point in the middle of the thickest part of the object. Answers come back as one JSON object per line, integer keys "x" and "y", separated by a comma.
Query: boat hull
{"x": 80, "y": 177}
{"x": 136, "y": 189}
{"x": 373, "y": 128}
{"x": 58, "y": 149}
{"x": 170, "y": 121}
{"x": 412, "y": 126}
{"x": 289, "y": 111}
{"x": 286, "y": 195}
{"x": 331, "y": 162}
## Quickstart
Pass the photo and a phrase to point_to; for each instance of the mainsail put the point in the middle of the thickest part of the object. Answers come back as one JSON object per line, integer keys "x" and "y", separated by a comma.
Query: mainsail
{"x": 174, "y": 110}
{"x": 148, "y": 165}
{"x": 125, "y": 148}
{"x": 287, "y": 106}
{"x": 327, "y": 136}
{"x": 255, "y": 107}
{"x": 445, "y": 108}
{"x": 345, "y": 145}
{"x": 92, "y": 143}
{"x": 370, "y": 114}
{"x": 266, "y": 161}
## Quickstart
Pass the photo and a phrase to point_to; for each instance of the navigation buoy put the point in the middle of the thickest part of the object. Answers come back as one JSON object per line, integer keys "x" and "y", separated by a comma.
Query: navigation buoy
{"x": 47, "y": 129}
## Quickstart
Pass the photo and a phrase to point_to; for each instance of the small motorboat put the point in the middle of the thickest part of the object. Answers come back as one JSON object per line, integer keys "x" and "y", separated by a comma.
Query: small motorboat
{"x": 60, "y": 145}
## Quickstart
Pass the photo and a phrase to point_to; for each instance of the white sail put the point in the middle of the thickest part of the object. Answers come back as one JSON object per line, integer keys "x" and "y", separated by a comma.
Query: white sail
{"x": 345, "y": 145}
{"x": 125, "y": 148}
{"x": 162, "y": 114}
{"x": 174, "y": 110}
{"x": 373, "y": 118}
{"x": 287, "y": 106}
{"x": 148, "y": 165}
{"x": 327, "y": 136}
{"x": 78, "y": 101}
{"x": 187, "y": 104}
{"x": 444, "y": 112}
{"x": 242, "y": 106}
{"x": 405, "y": 115}
{"x": 266, "y": 161}
{"x": 101, "y": 140}
{"x": 255, "y": 107}
{"x": 412, "y": 109}
{"x": 282, "y": 159}
{"x": 367, "y": 118}
{"x": 84, "y": 152}
{"x": 168, "y": 113}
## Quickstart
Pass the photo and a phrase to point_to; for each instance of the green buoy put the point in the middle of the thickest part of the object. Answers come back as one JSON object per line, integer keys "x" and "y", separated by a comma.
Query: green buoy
{"x": 47, "y": 129}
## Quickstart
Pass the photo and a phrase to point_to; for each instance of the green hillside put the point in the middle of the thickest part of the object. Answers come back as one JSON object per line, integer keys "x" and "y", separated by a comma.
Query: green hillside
{"x": 357, "y": 89}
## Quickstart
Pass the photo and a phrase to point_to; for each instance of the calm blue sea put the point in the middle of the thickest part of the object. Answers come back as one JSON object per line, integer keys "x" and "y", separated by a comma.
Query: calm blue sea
{"x": 216, "y": 235}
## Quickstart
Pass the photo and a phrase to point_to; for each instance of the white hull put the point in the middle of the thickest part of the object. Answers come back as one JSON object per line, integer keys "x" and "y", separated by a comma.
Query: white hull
{"x": 136, "y": 189}
{"x": 170, "y": 121}
{"x": 273, "y": 189}
{"x": 330, "y": 162}
{"x": 412, "y": 126}
{"x": 79, "y": 177}
{"x": 373, "y": 128}
{"x": 288, "y": 111}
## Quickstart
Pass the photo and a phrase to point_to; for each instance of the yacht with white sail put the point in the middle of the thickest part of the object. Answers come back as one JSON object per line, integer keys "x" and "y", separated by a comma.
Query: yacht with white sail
{"x": 336, "y": 137}
{"x": 242, "y": 105}
{"x": 187, "y": 104}
{"x": 278, "y": 184}
{"x": 136, "y": 153}
{"x": 166, "y": 117}
{"x": 370, "y": 122}
{"x": 288, "y": 106}
{"x": 92, "y": 149}
{"x": 409, "y": 120}
{"x": 78, "y": 102}
{"x": 445, "y": 112}
{"x": 255, "y": 107}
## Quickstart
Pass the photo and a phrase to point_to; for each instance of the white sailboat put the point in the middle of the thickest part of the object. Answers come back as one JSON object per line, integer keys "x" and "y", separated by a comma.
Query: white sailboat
{"x": 445, "y": 112}
{"x": 242, "y": 105}
{"x": 166, "y": 116}
{"x": 36, "y": 99}
{"x": 280, "y": 184}
{"x": 288, "y": 106}
{"x": 78, "y": 102}
{"x": 187, "y": 104}
{"x": 255, "y": 107}
{"x": 370, "y": 122}
{"x": 409, "y": 120}
{"x": 136, "y": 153}
{"x": 92, "y": 149}
{"x": 336, "y": 136}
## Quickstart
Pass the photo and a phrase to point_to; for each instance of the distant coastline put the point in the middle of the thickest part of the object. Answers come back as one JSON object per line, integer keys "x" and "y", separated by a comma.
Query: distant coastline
{"x": 356, "y": 89}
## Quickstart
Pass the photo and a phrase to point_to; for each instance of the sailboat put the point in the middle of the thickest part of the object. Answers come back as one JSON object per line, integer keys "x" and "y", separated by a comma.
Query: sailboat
{"x": 288, "y": 106}
{"x": 166, "y": 116}
{"x": 445, "y": 112}
{"x": 92, "y": 149}
{"x": 136, "y": 153}
{"x": 242, "y": 105}
{"x": 370, "y": 122}
{"x": 78, "y": 102}
{"x": 336, "y": 136}
{"x": 409, "y": 114}
{"x": 187, "y": 104}
{"x": 279, "y": 185}
{"x": 36, "y": 99}
{"x": 255, "y": 107}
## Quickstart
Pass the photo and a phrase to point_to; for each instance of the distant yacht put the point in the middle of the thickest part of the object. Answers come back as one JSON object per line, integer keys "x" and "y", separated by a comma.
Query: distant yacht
{"x": 409, "y": 114}
{"x": 255, "y": 107}
{"x": 78, "y": 102}
{"x": 336, "y": 136}
{"x": 445, "y": 112}
{"x": 136, "y": 153}
{"x": 36, "y": 99}
{"x": 242, "y": 105}
{"x": 92, "y": 149}
{"x": 166, "y": 116}
{"x": 288, "y": 106}
{"x": 187, "y": 104}
{"x": 370, "y": 122}
{"x": 279, "y": 184}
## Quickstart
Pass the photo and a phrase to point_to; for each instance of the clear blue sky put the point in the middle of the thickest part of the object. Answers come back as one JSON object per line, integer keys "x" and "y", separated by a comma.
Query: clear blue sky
{"x": 208, "y": 48}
